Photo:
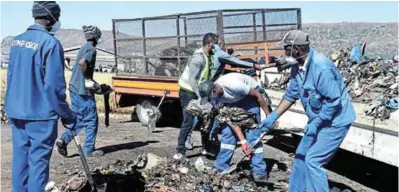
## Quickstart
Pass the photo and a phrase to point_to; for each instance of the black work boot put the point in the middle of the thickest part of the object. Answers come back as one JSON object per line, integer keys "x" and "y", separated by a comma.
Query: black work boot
{"x": 61, "y": 147}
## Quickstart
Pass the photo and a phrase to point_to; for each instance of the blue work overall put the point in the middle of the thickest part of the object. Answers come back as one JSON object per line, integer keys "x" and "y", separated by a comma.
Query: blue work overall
{"x": 323, "y": 94}
{"x": 229, "y": 141}
{"x": 35, "y": 99}
{"x": 86, "y": 113}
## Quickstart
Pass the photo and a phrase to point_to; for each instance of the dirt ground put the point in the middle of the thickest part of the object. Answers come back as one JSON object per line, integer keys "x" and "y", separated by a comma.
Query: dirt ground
{"x": 125, "y": 141}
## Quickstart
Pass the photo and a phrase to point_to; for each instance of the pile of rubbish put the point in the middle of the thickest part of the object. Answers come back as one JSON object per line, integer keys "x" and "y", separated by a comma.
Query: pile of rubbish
{"x": 155, "y": 174}
{"x": 281, "y": 83}
{"x": 237, "y": 117}
{"x": 173, "y": 176}
{"x": 382, "y": 108}
{"x": 370, "y": 80}
{"x": 232, "y": 115}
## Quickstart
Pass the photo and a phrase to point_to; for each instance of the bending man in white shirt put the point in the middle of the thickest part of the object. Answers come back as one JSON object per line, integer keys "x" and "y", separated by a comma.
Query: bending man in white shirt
{"x": 239, "y": 90}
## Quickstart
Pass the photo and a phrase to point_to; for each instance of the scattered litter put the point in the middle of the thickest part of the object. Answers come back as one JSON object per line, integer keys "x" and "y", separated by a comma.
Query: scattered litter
{"x": 4, "y": 117}
{"x": 199, "y": 165}
{"x": 50, "y": 187}
{"x": 165, "y": 174}
{"x": 76, "y": 183}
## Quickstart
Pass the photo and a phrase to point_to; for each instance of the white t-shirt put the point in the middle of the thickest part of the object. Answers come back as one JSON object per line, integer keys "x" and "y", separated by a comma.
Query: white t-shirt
{"x": 236, "y": 86}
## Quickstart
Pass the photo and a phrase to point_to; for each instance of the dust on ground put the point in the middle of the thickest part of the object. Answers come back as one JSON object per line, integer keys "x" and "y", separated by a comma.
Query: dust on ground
{"x": 126, "y": 141}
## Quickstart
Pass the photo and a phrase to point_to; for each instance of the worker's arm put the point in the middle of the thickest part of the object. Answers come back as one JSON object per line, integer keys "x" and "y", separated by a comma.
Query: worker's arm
{"x": 290, "y": 96}
{"x": 223, "y": 57}
{"x": 244, "y": 143}
{"x": 260, "y": 100}
{"x": 83, "y": 66}
{"x": 288, "y": 100}
{"x": 327, "y": 87}
{"x": 54, "y": 82}
{"x": 85, "y": 61}
{"x": 195, "y": 69}
{"x": 237, "y": 131}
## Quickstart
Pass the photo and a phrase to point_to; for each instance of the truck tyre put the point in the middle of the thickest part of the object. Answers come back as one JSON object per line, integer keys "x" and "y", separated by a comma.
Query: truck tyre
{"x": 142, "y": 109}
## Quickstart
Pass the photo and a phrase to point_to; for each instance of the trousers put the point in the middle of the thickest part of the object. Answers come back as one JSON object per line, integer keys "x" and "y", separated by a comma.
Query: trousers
{"x": 310, "y": 157}
{"x": 86, "y": 117}
{"x": 229, "y": 141}
{"x": 32, "y": 144}
{"x": 188, "y": 119}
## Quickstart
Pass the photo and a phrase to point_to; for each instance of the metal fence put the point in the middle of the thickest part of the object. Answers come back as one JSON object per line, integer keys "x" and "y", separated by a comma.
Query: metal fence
{"x": 162, "y": 46}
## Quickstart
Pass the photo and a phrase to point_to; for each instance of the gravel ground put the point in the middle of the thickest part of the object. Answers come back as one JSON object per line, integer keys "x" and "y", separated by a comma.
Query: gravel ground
{"x": 125, "y": 141}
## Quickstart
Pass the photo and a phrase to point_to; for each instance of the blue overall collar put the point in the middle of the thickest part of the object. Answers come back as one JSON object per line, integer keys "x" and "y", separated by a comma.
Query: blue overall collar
{"x": 309, "y": 59}
{"x": 307, "y": 64}
{"x": 38, "y": 28}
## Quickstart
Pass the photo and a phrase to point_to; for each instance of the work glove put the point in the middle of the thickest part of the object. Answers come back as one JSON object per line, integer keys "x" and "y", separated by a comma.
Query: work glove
{"x": 246, "y": 148}
{"x": 269, "y": 122}
{"x": 312, "y": 127}
{"x": 70, "y": 122}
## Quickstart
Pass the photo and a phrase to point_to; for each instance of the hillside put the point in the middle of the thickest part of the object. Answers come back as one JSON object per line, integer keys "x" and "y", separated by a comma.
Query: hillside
{"x": 382, "y": 38}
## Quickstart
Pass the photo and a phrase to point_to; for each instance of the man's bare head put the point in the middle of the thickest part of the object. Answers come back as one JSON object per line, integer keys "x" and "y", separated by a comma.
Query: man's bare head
{"x": 217, "y": 90}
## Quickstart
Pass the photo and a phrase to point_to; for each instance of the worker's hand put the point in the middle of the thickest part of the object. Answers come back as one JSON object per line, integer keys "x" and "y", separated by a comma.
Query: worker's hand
{"x": 246, "y": 148}
{"x": 269, "y": 122}
{"x": 312, "y": 126}
{"x": 70, "y": 122}
{"x": 259, "y": 67}
{"x": 310, "y": 130}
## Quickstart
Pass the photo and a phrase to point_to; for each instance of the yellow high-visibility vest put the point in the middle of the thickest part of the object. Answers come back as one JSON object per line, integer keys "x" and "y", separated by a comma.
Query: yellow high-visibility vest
{"x": 205, "y": 73}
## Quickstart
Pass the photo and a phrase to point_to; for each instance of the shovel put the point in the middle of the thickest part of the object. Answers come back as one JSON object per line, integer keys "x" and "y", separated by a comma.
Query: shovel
{"x": 152, "y": 115}
{"x": 93, "y": 186}
{"x": 234, "y": 167}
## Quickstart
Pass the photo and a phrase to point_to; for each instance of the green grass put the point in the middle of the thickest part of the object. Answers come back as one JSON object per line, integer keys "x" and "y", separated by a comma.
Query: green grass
{"x": 99, "y": 77}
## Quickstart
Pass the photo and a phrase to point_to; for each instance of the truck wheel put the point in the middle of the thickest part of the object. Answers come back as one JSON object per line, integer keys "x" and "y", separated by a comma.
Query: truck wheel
{"x": 143, "y": 109}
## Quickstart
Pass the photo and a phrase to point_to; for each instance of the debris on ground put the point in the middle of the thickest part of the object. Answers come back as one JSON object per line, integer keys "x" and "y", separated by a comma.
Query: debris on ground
{"x": 167, "y": 177}
{"x": 4, "y": 117}
{"x": 50, "y": 187}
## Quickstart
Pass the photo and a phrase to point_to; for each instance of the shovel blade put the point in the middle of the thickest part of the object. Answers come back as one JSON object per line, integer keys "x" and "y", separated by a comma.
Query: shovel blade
{"x": 230, "y": 170}
{"x": 101, "y": 188}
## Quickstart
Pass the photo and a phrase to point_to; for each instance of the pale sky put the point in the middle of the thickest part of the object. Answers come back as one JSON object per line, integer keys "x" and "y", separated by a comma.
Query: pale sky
{"x": 17, "y": 16}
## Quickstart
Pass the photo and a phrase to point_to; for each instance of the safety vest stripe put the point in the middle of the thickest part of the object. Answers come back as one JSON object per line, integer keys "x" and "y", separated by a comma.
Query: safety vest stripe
{"x": 205, "y": 74}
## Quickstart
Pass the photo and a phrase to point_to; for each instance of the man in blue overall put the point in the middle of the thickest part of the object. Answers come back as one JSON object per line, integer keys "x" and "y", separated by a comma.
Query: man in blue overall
{"x": 82, "y": 97}
{"x": 35, "y": 98}
{"x": 240, "y": 90}
{"x": 317, "y": 82}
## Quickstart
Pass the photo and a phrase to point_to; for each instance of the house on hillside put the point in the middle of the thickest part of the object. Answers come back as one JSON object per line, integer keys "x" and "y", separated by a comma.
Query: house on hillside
{"x": 105, "y": 61}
